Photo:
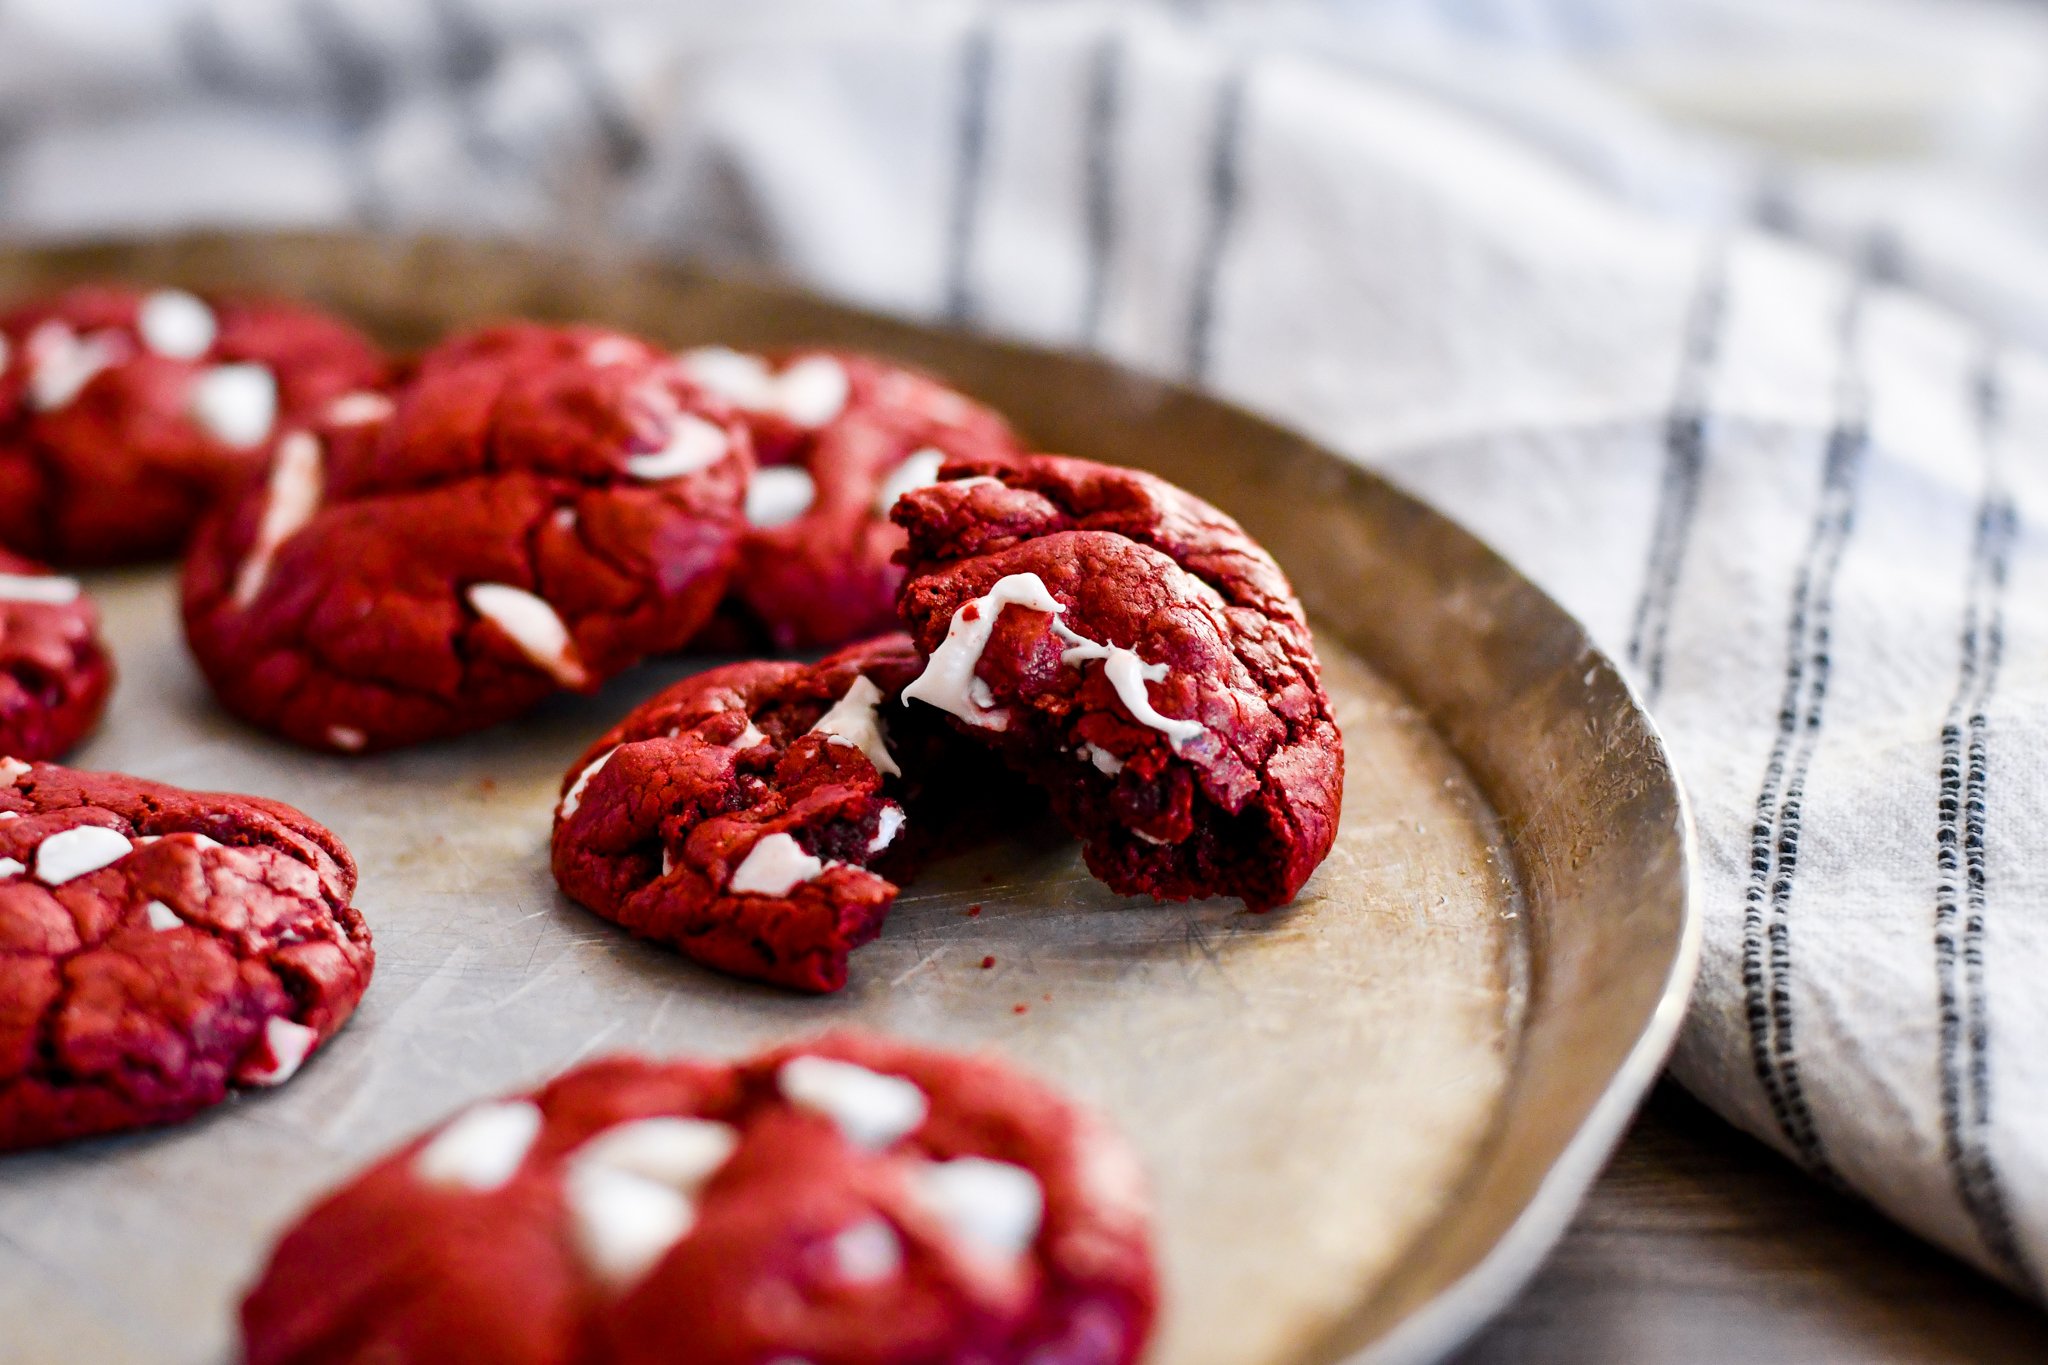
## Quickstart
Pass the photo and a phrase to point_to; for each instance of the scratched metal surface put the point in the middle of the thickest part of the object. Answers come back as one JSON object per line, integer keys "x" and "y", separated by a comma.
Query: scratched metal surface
{"x": 1363, "y": 1115}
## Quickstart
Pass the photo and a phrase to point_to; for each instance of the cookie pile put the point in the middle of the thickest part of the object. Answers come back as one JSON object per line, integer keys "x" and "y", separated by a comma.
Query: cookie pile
{"x": 383, "y": 552}
{"x": 1121, "y": 645}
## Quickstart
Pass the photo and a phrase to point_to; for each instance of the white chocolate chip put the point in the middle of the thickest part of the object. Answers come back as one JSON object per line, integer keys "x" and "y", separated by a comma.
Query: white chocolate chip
{"x": 61, "y": 363}
{"x": 11, "y": 867}
{"x": 533, "y": 625}
{"x": 775, "y": 864}
{"x": 867, "y": 1252}
{"x": 813, "y": 391}
{"x": 779, "y": 494}
{"x": 693, "y": 444}
{"x": 681, "y": 1153}
{"x": 38, "y": 587}
{"x": 573, "y": 798}
{"x": 481, "y": 1148}
{"x": 993, "y": 1205}
{"x": 1128, "y": 674}
{"x": 359, "y": 409}
{"x": 809, "y": 393}
{"x": 948, "y": 678}
{"x": 630, "y": 1189}
{"x": 747, "y": 738}
{"x": 1102, "y": 758}
{"x": 563, "y": 518}
{"x": 886, "y": 827}
{"x": 161, "y": 916}
{"x": 623, "y": 1224}
{"x": 76, "y": 851}
{"x": 853, "y": 720}
{"x": 176, "y": 324}
{"x": 347, "y": 738}
{"x": 13, "y": 769}
{"x": 743, "y": 380}
{"x": 606, "y": 351}
{"x": 237, "y": 403}
{"x": 290, "y": 1043}
{"x": 871, "y": 1109}
{"x": 919, "y": 468}
{"x": 293, "y": 495}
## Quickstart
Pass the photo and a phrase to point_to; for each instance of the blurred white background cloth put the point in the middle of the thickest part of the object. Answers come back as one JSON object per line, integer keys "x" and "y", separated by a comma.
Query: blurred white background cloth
{"x": 1719, "y": 317}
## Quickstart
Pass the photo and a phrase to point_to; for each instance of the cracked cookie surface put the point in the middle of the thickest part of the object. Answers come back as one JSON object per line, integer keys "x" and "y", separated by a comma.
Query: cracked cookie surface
{"x": 160, "y": 946}
{"x": 126, "y": 415}
{"x": 534, "y": 510}
{"x": 741, "y": 815}
{"x": 847, "y": 1201}
{"x": 1140, "y": 659}
{"x": 838, "y": 437}
{"x": 54, "y": 670}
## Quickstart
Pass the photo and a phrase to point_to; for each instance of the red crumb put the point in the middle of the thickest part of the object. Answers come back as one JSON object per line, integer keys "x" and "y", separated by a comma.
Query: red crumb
{"x": 1020, "y": 1009}
{"x": 973, "y": 910}
{"x": 987, "y": 963}
{"x": 487, "y": 786}
{"x": 970, "y": 612}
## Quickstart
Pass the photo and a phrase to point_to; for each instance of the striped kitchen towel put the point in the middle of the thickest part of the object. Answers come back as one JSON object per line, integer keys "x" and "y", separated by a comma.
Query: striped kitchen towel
{"x": 1769, "y": 419}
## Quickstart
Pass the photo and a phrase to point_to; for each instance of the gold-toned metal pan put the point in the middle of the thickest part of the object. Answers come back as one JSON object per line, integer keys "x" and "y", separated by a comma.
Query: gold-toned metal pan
{"x": 1365, "y": 1116}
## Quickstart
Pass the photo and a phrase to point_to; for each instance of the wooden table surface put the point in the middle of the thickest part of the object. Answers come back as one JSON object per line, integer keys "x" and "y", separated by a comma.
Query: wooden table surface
{"x": 1700, "y": 1244}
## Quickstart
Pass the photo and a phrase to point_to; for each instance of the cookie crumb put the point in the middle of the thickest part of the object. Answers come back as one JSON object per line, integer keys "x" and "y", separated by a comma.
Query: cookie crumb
{"x": 988, "y": 962}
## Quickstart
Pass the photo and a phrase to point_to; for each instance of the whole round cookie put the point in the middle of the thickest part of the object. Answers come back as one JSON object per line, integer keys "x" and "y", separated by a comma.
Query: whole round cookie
{"x": 737, "y": 815}
{"x": 533, "y": 511}
{"x": 54, "y": 671}
{"x": 158, "y": 946}
{"x": 1140, "y": 659}
{"x": 126, "y": 415}
{"x": 839, "y": 437}
{"x": 849, "y": 1201}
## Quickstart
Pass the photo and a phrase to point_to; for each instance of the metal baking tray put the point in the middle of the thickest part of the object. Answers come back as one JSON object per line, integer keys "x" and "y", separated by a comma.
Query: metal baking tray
{"x": 1365, "y": 1116}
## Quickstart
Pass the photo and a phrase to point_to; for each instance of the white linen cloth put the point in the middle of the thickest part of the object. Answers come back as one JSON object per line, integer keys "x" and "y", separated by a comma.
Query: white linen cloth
{"x": 1802, "y": 489}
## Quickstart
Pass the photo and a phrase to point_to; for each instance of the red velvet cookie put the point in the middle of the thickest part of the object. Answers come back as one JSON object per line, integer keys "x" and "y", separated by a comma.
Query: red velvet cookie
{"x": 158, "y": 946}
{"x": 851, "y": 1201}
{"x": 1140, "y": 659}
{"x": 124, "y": 416}
{"x": 54, "y": 672}
{"x": 535, "y": 510}
{"x": 838, "y": 436}
{"x": 736, "y": 815}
